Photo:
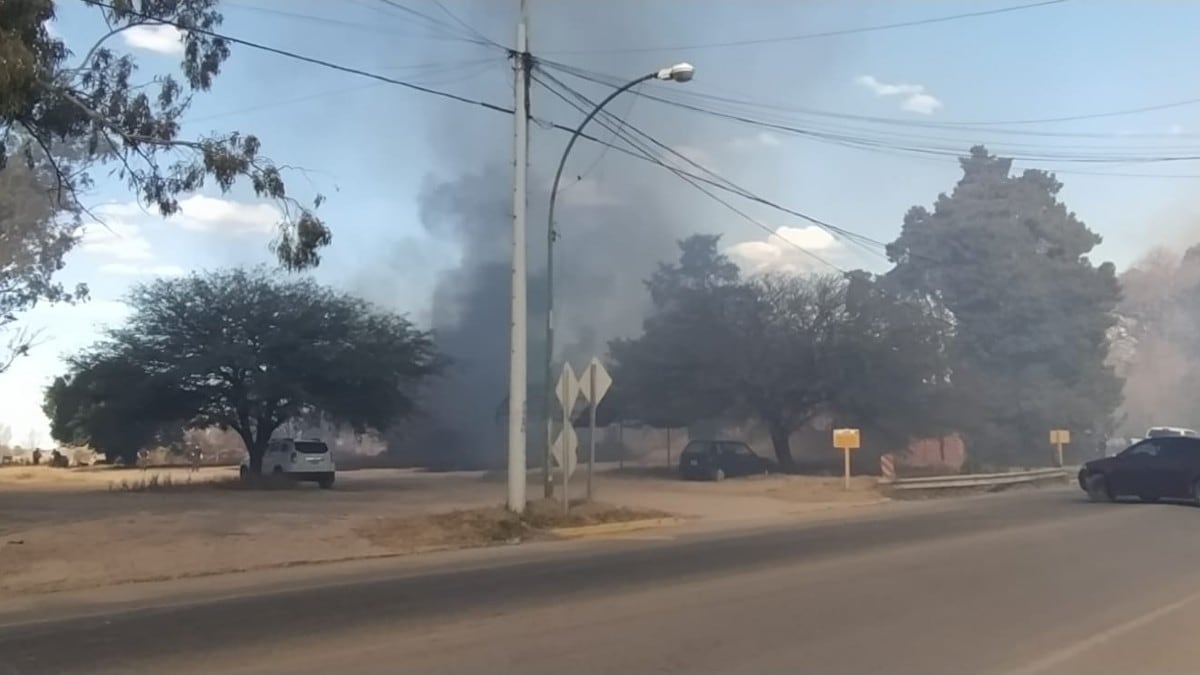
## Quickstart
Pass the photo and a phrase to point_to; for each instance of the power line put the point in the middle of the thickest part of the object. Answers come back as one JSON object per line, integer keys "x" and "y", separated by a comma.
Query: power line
{"x": 445, "y": 32}
{"x": 812, "y": 36}
{"x": 449, "y": 29}
{"x": 307, "y": 59}
{"x": 469, "y": 28}
{"x": 951, "y": 125}
{"x": 918, "y": 148}
{"x": 603, "y": 151}
{"x": 648, "y": 155}
{"x": 695, "y": 181}
{"x": 278, "y": 103}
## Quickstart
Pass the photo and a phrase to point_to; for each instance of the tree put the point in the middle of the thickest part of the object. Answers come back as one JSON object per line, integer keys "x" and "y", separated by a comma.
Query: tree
{"x": 109, "y": 403}
{"x": 63, "y": 117}
{"x": 33, "y": 241}
{"x": 894, "y": 364}
{"x": 1031, "y": 312}
{"x": 781, "y": 349}
{"x": 248, "y": 350}
{"x": 656, "y": 377}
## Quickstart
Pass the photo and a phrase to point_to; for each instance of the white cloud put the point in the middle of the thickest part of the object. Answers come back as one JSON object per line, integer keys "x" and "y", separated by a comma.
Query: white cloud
{"x": 916, "y": 99}
{"x": 115, "y": 239}
{"x": 776, "y": 253}
{"x": 160, "y": 38}
{"x": 921, "y": 103}
{"x": 210, "y": 214}
{"x": 131, "y": 270}
{"x": 763, "y": 139}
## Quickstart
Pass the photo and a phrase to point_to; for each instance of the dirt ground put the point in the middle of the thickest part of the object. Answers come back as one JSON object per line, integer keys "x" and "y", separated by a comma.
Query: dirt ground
{"x": 80, "y": 528}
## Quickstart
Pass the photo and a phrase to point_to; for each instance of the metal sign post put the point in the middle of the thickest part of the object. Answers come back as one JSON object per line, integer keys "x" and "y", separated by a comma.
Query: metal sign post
{"x": 567, "y": 391}
{"x": 593, "y": 385}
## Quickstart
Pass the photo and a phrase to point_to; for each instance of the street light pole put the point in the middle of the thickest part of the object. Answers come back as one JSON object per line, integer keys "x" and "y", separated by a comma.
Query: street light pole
{"x": 681, "y": 72}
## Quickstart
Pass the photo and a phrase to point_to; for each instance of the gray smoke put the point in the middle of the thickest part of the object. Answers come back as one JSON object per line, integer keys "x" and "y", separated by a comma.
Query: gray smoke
{"x": 617, "y": 218}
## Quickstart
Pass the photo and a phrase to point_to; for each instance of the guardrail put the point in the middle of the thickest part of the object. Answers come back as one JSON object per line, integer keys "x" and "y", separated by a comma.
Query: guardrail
{"x": 980, "y": 479}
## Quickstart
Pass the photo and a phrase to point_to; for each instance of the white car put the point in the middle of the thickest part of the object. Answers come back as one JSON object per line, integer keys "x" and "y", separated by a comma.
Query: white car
{"x": 298, "y": 459}
{"x": 1159, "y": 432}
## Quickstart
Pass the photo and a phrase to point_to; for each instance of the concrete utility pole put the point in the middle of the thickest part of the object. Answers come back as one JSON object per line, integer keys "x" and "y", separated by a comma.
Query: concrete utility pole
{"x": 517, "y": 357}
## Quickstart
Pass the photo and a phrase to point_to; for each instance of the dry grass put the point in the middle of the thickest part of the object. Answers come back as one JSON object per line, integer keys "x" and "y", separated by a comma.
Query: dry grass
{"x": 167, "y": 483}
{"x": 468, "y": 528}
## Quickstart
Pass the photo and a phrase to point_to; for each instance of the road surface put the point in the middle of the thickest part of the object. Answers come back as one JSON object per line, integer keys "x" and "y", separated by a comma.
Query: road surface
{"x": 1024, "y": 582}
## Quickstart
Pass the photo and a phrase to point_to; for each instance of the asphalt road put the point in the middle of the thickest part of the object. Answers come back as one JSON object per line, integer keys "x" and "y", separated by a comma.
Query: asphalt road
{"x": 1025, "y": 582}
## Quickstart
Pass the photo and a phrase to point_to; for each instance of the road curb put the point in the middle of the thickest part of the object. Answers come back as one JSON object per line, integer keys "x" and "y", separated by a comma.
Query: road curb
{"x": 613, "y": 528}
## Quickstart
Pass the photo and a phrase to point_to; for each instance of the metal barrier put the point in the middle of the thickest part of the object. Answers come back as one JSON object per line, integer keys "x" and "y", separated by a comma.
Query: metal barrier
{"x": 979, "y": 479}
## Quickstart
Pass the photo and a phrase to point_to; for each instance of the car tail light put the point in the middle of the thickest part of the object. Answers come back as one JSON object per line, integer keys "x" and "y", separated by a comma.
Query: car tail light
{"x": 293, "y": 456}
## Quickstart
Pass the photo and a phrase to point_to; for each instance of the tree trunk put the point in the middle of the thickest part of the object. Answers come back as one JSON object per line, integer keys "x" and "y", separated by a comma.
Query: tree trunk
{"x": 256, "y": 459}
{"x": 253, "y": 450}
{"x": 782, "y": 442}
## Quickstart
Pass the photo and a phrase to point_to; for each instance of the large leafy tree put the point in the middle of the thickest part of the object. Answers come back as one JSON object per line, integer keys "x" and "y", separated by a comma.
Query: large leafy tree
{"x": 110, "y": 404}
{"x": 780, "y": 349}
{"x": 248, "y": 350}
{"x": 892, "y": 365}
{"x": 662, "y": 378}
{"x": 68, "y": 110}
{"x": 1031, "y": 311}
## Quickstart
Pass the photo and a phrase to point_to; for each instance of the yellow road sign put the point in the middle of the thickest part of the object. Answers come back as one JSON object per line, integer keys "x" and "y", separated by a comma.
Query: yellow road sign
{"x": 846, "y": 439}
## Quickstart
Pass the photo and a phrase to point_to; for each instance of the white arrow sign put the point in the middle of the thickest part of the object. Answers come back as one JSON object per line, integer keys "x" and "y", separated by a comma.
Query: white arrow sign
{"x": 568, "y": 438}
{"x": 594, "y": 371}
{"x": 567, "y": 389}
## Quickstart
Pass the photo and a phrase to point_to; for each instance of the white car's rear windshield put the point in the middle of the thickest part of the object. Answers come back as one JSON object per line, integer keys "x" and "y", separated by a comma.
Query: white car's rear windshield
{"x": 312, "y": 447}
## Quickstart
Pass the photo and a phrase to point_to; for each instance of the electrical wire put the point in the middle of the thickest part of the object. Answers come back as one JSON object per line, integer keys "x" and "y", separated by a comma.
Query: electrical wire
{"x": 812, "y": 36}
{"x": 279, "y": 103}
{"x": 950, "y": 150}
{"x": 738, "y": 102}
{"x": 308, "y": 59}
{"x": 450, "y": 30}
{"x": 603, "y": 151}
{"x": 603, "y": 119}
{"x": 582, "y": 105}
{"x": 446, "y": 32}
{"x": 468, "y": 27}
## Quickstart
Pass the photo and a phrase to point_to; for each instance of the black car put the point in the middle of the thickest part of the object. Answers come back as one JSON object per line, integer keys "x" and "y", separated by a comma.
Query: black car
{"x": 1167, "y": 467}
{"x": 717, "y": 460}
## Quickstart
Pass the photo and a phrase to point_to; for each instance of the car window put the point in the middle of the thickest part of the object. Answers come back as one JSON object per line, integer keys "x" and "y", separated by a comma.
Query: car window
{"x": 698, "y": 448}
{"x": 1141, "y": 450}
{"x": 741, "y": 450}
{"x": 1181, "y": 448}
{"x": 312, "y": 447}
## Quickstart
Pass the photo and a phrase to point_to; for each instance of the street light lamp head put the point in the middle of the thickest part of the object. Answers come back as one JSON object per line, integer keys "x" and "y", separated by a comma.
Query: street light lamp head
{"x": 680, "y": 72}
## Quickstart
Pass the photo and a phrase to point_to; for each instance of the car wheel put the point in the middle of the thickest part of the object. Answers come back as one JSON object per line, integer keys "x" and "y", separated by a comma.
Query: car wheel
{"x": 718, "y": 475}
{"x": 325, "y": 482}
{"x": 1196, "y": 491}
{"x": 1098, "y": 489}
{"x": 244, "y": 474}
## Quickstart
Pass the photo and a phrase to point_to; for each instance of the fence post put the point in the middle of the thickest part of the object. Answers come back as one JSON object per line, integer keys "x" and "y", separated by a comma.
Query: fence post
{"x": 887, "y": 467}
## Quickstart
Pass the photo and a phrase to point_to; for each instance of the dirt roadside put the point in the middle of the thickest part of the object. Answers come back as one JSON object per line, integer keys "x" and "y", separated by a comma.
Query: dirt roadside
{"x": 89, "y": 528}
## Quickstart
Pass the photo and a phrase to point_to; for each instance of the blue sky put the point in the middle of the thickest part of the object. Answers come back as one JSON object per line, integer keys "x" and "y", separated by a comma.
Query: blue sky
{"x": 372, "y": 148}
